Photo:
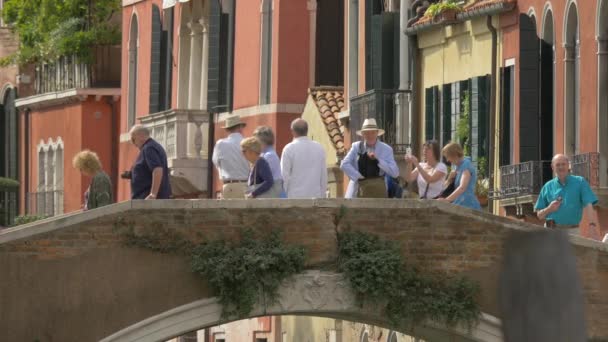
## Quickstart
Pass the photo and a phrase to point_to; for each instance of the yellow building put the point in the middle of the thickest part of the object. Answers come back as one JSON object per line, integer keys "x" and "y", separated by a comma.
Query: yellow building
{"x": 323, "y": 106}
{"x": 456, "y": 79}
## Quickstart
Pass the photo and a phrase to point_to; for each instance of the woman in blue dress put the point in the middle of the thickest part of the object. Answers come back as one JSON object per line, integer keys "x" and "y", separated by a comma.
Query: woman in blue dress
{"x": 466, "y": 178}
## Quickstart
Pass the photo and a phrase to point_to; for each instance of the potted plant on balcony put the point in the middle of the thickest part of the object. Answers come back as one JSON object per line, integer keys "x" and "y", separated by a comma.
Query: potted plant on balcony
{"x": 482, "y": 186}
{"x": 443, "y": 12}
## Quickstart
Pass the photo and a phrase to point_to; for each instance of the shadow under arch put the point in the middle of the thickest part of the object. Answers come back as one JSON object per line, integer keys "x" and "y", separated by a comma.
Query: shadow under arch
{"x": 312, "y": 293}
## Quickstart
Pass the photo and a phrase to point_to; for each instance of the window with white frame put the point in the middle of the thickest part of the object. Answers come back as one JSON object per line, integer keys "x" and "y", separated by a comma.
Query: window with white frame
{"x": 48, "y": 199}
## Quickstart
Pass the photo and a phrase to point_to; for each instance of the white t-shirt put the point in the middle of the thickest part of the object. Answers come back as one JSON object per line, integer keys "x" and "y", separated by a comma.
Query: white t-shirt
{"x": 436, "y": 187}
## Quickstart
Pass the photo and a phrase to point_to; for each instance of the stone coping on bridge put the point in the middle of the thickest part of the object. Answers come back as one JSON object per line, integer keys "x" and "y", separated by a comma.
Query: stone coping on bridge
{"x": 58, "y": 222}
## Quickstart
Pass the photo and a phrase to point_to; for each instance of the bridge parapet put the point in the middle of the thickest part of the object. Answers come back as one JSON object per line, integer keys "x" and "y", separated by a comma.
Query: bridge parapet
{"x": 77, "y": 270}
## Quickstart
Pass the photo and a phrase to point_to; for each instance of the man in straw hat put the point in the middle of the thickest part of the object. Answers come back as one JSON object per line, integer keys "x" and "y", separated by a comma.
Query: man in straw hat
{"x": 368, "y": 162}
{"x": 229, "y": 161}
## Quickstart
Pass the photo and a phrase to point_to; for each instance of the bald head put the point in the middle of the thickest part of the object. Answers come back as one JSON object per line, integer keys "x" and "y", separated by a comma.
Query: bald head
{"x": 561, "y": 166}
{"x": 299, "y": 128}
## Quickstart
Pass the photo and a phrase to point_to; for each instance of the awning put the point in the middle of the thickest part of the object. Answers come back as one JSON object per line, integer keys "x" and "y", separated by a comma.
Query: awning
{"x": 171, "y": 3}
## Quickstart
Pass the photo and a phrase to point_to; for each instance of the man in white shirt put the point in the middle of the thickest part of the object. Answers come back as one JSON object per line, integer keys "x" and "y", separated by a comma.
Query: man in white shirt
{"x": 303, "y": 165}
{"x": 230, "y": 162}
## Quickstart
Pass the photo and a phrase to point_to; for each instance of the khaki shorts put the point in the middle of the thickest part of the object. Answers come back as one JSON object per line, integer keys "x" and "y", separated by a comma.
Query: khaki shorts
{"x": 234, "y": 190}
{"x": 372, "y": 188}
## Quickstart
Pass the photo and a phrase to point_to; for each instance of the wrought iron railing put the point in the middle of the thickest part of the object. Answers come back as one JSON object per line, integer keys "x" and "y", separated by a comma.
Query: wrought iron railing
{"x": 528, "y": 178}
{"x": 68, "y": 72}
{"x": 47, "y": 203}
{"x": 400, "y": 149}
{"x": 587, "y": 165}
{"x": 522, "y": 179}
{"x": 380, "y": 104}
{"x": 8, "y": 208}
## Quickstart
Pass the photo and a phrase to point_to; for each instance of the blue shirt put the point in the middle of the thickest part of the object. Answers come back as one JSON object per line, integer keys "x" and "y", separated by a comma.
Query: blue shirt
{"x": 467, "y": 198}
{"x": 274, "y": 162}
{"x": 151, "y": 156}
{"x": 576, "y": 194}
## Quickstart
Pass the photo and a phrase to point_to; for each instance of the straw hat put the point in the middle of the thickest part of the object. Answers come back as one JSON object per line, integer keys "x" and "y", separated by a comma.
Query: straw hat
{"x": 232, "y": 121}
{"x": 370, "y": 125}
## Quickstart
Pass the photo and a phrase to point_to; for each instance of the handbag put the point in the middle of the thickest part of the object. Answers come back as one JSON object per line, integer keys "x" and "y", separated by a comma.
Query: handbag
{"x": 448, "y": 190}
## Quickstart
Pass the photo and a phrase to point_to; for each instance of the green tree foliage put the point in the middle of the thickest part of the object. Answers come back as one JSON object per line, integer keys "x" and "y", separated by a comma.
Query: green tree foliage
{"x": 49, "y": 29}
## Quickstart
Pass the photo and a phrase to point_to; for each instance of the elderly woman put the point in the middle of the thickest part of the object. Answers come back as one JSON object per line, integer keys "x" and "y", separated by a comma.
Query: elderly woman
{"x": 260, "y": 183}
{"x": 466, "y": 178}
{"x": 431, "y": 174}
{"x": 99, "y": 192}
{"x": 265, "y": 136}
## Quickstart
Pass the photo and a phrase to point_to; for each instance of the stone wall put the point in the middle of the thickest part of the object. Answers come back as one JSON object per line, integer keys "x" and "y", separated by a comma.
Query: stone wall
{"x": 73, "y": 278}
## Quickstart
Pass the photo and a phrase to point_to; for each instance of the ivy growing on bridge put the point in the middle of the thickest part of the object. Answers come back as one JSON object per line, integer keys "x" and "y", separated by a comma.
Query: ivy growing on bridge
{"x": 241, "y": 273}
{"x": 377, "y": 272}
{"x": 49, "y": 29}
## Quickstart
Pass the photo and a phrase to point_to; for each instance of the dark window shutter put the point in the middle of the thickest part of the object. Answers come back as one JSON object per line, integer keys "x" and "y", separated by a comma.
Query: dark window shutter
{"x": 384, "y": 74}
{"x": 446, "y": 118}
{"x": 213, "y": 74}
{"x": 479, "y": 117}
{"x": 372, "y": 7}
{"x": 155, "y": 61}
{"x": 528, "y": 90}
{"x": 430, "y": 113}
{"x": 546, "y": 101}
{"x": 506, "y": 111}
{"x": 166, "y": 61}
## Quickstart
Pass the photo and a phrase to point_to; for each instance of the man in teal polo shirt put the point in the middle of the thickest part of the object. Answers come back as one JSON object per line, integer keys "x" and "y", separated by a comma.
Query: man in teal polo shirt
{"x": 563, "y": 200}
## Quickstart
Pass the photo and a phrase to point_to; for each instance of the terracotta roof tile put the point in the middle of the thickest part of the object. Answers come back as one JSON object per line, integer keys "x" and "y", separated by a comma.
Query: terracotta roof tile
{"x": 330, "y": 102}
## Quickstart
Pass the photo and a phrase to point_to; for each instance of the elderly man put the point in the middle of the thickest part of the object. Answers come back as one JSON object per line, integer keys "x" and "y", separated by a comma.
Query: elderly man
{"x": 303, "y": 165}
{"x": 150, "y": 174}
{"x": 229, "y": 160}
{"x": 563, "y": 200}
{"x": 368, "y": 162}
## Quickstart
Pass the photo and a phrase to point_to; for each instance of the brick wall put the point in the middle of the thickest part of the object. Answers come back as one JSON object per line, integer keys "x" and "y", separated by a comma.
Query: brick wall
{"x": 78, "y": 265}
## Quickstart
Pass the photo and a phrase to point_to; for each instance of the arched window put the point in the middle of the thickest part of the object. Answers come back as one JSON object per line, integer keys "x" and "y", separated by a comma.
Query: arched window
{"x": 266, "y": 52}
{"x": 155, "y": 61}
{"x": 547, "y": 88}
{"x": 572, "y": 86}
{"x": 133, "y": 62}
{"x": 602, "y": 54}
{"x": 392, "y": 337}
{"x": 364, "y": 336}
{"x": 49, "y": 197}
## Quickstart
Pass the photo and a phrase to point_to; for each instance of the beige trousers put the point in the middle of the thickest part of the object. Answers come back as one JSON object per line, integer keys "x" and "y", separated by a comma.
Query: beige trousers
{"x": 372, "y": 188}
{"x": 234, "y": 190}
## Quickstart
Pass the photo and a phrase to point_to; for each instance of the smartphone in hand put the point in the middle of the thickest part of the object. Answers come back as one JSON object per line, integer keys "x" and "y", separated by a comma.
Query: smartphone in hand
{"x": 408, "y": 152}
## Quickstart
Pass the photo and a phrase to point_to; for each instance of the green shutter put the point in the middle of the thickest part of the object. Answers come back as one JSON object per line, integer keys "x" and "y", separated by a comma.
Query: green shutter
{"x": 446, "y": 118}
{"x": 383, "y": 49}
{"x": 480, "y": 116}
{"x": 213, "y": 69}
{"x": 430, "y": 113}
{"x": 154, "y": 100}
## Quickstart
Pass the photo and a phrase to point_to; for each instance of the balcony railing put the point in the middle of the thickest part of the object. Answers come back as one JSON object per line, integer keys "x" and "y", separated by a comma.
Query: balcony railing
{"x": 174, "y": 130}
{"x": 587, "y": 165}
{"x": 47, "y": 203}
{"x": 380, "y": 104}
{"x": 8, "y": 208}
{"x": 69, "y": 72}
{"x": 528, "y": 178}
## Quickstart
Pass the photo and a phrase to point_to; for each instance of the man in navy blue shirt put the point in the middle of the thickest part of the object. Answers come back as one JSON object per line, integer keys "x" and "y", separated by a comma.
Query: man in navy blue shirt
{"x": 150, "y": 174}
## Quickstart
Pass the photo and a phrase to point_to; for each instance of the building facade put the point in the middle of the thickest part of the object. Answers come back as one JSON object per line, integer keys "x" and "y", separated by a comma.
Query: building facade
{"x": 554, "y": 78}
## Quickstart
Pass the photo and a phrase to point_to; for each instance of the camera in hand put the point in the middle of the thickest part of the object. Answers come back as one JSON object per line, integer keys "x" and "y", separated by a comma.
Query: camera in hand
{"x": 126, "y": 175}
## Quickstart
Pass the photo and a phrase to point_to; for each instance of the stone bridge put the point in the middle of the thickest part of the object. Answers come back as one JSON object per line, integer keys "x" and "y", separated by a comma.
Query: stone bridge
{"x": 73, "y": 278}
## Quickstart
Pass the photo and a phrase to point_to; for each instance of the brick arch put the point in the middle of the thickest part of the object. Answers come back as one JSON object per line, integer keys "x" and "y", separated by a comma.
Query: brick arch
{"x": 314, "y": 293}
{"x": 80, "y": 266}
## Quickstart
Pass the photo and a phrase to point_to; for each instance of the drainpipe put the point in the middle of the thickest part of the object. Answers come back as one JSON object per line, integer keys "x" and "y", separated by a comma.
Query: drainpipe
{"x": 114, "y": 145}
{"x": 210, "y": 146}
{"x": 403, "y": 118}
{"x": 28, "y": 173}
{"x": 492, "y": 30}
